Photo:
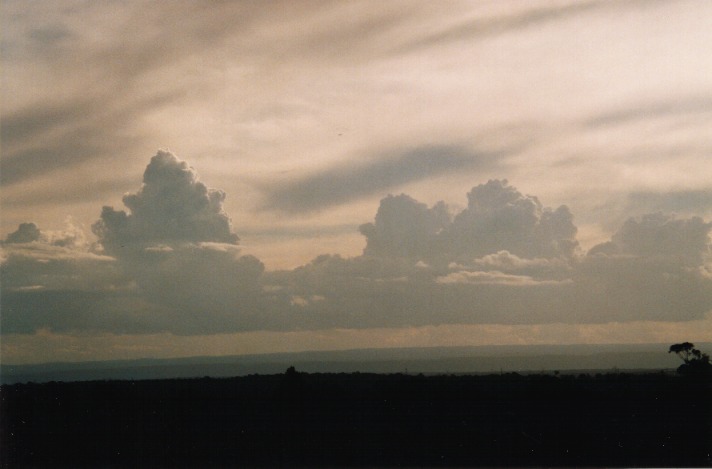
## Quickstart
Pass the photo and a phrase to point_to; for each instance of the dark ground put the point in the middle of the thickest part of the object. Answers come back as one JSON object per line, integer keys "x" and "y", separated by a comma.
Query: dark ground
{"x": 358, "y": 419}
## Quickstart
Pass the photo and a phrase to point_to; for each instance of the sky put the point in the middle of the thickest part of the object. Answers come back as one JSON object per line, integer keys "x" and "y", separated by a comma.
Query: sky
{"x": 206, "y": 178}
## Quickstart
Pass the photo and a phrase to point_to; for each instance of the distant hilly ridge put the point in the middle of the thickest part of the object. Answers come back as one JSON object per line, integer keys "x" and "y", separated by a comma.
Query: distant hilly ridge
{"x": 479, "y": 359}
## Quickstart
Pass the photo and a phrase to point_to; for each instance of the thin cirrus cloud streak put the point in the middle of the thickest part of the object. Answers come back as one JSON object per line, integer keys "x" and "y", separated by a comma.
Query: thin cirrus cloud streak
{"x": 347, "y": 182}
{"x": 37, "y": 142}
{"x": 502, "y": 24}
{"x": 40, "y": 138}
{"x": 699, "y": 107}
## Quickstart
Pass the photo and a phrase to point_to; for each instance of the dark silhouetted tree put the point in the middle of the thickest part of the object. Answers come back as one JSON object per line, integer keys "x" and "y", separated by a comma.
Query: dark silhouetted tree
{"x": 695, "y": 362}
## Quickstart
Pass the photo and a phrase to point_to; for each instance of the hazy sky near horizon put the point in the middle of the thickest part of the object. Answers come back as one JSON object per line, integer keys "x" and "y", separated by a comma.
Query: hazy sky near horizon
{"x": 239, "y": 177}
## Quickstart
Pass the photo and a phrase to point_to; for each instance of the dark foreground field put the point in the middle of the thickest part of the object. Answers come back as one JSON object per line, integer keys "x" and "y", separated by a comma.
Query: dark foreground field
{"x": 361, "y": 420}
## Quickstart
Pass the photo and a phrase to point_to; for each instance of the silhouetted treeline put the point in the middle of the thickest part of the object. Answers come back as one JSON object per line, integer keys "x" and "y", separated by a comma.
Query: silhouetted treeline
{"x": 360, "y": 420}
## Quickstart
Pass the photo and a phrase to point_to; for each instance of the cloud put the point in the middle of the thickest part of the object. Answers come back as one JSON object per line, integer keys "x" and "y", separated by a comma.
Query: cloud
{"x": 505, "y": 259}
{"x": 184, "y": 289}
{"x": 32, "y": 123}
{"x": 498, "y": 217}
{"x": 658, "y": 235}
{"x": 347, "y": 182}
{"x": 40, "y": 196}
{"x": 55, "y": 281}
{"x": 50, "y": 267}
{"x": 56, "y": 119}
{"x": 38, "y": 140}
{"x": 683, "y": 106}
{"x": 371, "y": 291}
{"x": 684, "y": 202}
{"x": 172, "y": 205}
{"x": 473, "y": 29}
{"x": 654, "y": 267}
{"x": 81, "y": 312}
{"x": 616, "y": 209}
{"x": 495, "y": 277}
{"x": 25, "y": 233}
{"x": 72, "y": 235}
{"x": 389, "y": 292}
{"x": 404, "y": 227}
{"x": 177, "y": 244}
{"x": 171, "y": 264}
{"x": 138, "y": 59}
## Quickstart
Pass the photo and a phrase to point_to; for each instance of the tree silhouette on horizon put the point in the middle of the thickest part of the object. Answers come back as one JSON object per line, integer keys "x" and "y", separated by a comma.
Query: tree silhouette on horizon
{"x": 695, "y": 361}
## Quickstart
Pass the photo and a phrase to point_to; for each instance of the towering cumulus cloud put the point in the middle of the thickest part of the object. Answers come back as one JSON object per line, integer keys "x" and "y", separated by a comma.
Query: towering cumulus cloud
{"x": 170, "y": 262}
{"x": 172, "y": 205}
{"x": 498, "y": 217}
{"x": 177, "y": 244}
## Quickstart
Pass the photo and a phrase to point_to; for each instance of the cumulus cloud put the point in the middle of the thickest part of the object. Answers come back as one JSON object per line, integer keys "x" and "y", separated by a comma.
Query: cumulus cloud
{"x": 172, "y": 205}
{"x": 25, "y": 233}
{"x": 72, "y": 235}
{"x": 681, "y": 202}
{"x": 172, "y": 259}
{"x": 171, "y": 263}
{"x": 652, "y": 268}
{"x": 498, "y": 217}
{"x": 404, "y": 227}
{"x": 656, "y": 235}
{"x": 177, "y": 244}
{"x": 505, "y": 259}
